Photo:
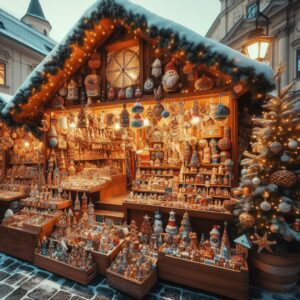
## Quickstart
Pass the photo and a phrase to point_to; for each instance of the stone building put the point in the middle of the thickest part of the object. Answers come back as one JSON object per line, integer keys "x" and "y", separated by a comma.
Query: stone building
{"x": 237, "y": 19}
{"x": 23, "y": 45}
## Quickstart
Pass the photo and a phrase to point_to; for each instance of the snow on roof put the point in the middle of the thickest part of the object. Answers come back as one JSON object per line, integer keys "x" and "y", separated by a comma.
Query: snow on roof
{"x": 152, "y": 19}
{"x": 5, "y": 97}
{"x": 14, "y": 29}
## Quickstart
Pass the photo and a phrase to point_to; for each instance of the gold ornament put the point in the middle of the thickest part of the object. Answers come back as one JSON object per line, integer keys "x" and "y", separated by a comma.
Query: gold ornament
{"x": 246, "y": 191}
{"x": 247, "y": 221}
{"x": 283, "y": 178}
{"x": 263, "y": 243}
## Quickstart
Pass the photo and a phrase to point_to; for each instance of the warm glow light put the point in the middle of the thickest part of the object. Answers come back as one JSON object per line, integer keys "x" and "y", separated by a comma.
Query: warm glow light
{"x": 72, "y": 125}
{"x": 146, "y": 123}
{"x": 195, "y": 120}
{"x": 258, "y": 47}
{"x": 26, "y": 144}
{"x": 117, "y": 126}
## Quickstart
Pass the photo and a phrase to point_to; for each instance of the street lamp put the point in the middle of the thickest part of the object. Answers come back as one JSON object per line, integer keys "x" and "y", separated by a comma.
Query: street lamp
{"x": 258, "y": 44}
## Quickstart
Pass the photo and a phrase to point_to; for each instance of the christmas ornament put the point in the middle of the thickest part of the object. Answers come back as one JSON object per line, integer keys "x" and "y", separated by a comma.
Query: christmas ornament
{"x": 170, "y": 78}
{"x": 188, "y": 70}
{"x": 275, "y": 147}
{"x": 156, "y": 70}
{"x": 158, "y": 94}
{"x": 284, "y": 157}
{"x": 296, "y": 225}
{"x": 137, "y": 121}
{"x": 247, "y": 221}
{"x": 165, "y": 114}
{"x": 225, "y": 143}
{"x": 222, "y": 112}
{"x": 256, "y": 181}
{"x": 285, "y": 204}
{"x": 111, "y": 95}
{"x": 72, "y": 91}
{"x": 283, "y": 178}
{"x": 63, "y": 91}
{"x": 293, "y": 144}
{"x": 138, "y": 92}
{"x": 215, "y": 237}
{"x": 263, "y": 243}
{"x": 121, "y": 94}
{"x": 124, "y": 117}
{"x": 172, "y": 227}
{"x": 265, "y": 205}
{"x": 129, "y": 92}
{"x": 149, "y": 86}
{"x": 204, "y": 83}
{"x": 274, "y": 228}
{"x": 157, "y": 111}
{"x": 244, "y": 172}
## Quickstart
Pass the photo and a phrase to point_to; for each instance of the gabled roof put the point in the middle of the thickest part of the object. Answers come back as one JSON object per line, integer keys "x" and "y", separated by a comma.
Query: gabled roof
{"x": 92, "y": 29}
{"x": 35, "y": 9}
{"x": 13, "y": 29}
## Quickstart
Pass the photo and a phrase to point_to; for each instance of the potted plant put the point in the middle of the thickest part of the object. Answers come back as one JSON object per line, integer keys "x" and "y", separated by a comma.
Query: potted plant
{"x": 268, "y": 197}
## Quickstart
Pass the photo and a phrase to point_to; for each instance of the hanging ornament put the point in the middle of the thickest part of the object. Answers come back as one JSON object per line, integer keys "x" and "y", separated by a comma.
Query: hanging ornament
{"x": 293, "y": 144}
{"x": 121, "y": 94}
{"x": 285, "y": 205}
{"x": 149, "y": 86}
{"x": 222, "y": 112}
{"x": 274, "y": 228}
{"x": 170, "y": 78}
{"x": 283, "y": 178}
{"x": 124, "y": 117}
{"x": 265, "y": 205}
{"x": 247, "y": 221}
{"x": 244, "y": 172}
{"x": 165, "y": 114}
{"x": 138, "y": 92}
{"x": 263, "y": 243}
{"x": 284, "y": 157}
{"x": 111, "y": 94}
{"x": 256, "y": 180}
{"x": 204, "y": 83}
{"x": 52, "y": 133}
{"x": 137, "y": 121}
{"x": 157, "y": 111}
{"x": 82, "y": 121}
{"x": 63, "y": 91}
{"x": 156, "y": 68}
{"x": 275, "y": 147}
{"x": 92, "y": 81}
{"x": 72, "y": 91}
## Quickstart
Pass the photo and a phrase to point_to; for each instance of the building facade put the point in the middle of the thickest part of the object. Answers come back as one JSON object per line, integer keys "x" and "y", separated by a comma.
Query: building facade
{"x": 237, "y": 19}
{"x": 23, "y": 45}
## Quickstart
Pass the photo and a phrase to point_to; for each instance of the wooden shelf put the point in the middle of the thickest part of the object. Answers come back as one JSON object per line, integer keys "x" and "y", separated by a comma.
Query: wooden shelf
{"x": 52, "y": 205}
{"x": 99, "y": 158}
{"x": 25, "y": 163}
{"x": 200, "y": 173}
{"x": 205, "y": 214}
{"x": 193, "y": 194}
{"x": 159, "y": 167}
{"x": 147, "y": 191}
{"x": 203, "y": 184}
{"x": 156, "y": 175}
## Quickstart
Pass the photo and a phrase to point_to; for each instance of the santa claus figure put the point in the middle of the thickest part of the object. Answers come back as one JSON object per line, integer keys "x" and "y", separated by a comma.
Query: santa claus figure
{"x": 215, "y": 237}
{"x": 170, "y": 78}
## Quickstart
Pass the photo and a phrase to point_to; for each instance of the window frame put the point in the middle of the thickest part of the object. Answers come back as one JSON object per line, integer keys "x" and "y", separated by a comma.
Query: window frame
{"x": 297, "y": 64}
{"x": 4, "y": 73}
{"x": 249, "y": 10}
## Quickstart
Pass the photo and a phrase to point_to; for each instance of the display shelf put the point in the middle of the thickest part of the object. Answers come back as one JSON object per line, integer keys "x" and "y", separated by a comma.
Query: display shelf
{"x": 130, "y": 286}
{"x": 194, "y": 194}
{"x": 226, "y": 282}
{"x": 25, "y": 163}
{"x": 155, "y": 175}
{"x": 148, "y": 191}
{"x": 159, "y": 167}
{"x": 65, "y": 270}
{"x": 91, "y": 190}
{"x": 205, "y": 214}
{"x": 201, "y": 173}
{"x": 96, "y": 158}
{"x": 203, "y": 184}
{"x": 48, "y": 204}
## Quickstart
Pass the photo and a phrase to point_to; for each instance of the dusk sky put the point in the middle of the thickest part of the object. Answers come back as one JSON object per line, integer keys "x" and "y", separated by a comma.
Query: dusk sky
{"x": 198, "y": 15}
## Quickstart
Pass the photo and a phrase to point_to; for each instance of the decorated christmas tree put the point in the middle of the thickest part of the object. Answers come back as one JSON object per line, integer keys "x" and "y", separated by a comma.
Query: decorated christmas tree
{"x": 171, "y": 227}
{"x": 146, "y": 230}
{"x": 185, "y": 226}
{"x": 268, "y": 203}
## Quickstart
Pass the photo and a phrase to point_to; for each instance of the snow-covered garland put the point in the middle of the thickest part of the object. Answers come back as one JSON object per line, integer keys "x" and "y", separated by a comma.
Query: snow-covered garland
{"x": 195, "y": 53}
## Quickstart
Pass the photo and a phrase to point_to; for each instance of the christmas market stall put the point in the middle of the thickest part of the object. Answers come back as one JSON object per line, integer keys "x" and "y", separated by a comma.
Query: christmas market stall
{"x": 134, "y": 107}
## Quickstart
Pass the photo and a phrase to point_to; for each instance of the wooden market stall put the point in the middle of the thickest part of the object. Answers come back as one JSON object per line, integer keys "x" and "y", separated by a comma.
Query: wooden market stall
{"x": 133, "y": 107}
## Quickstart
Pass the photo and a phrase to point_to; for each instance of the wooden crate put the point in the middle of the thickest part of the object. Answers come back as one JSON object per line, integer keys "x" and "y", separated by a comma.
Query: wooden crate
{"x": 103, "y": 261}
{"x": 134, "y": 288}
{"x": 226, "y": 282}
{"x": 17, "y": 242}
{"x": 65, "y": 270}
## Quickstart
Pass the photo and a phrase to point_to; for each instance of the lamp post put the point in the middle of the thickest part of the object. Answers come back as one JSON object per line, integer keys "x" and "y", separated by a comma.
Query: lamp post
{"x": 258, "y": 44}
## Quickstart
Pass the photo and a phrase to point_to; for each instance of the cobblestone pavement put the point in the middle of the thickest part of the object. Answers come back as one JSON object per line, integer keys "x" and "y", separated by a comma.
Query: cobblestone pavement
{"x": 21, "y": 280}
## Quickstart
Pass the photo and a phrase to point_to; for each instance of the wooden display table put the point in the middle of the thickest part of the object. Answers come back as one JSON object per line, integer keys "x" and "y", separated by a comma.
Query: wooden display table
{"x": 18, "y": 242}
{"x": 104, "y": 260}
{"x": 10, "y": 200}
{"x": 226, "y": 282}
{"x": 56, "y": 205}
{"x": 65, "y": 270}
{"x": 132, "y": 287}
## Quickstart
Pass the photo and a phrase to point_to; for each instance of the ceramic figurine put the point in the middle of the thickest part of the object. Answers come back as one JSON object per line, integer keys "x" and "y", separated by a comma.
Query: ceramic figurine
{"x": 124, "y": 117}
{"x": 111, "y": 95}
{"x": 149, "y": 86}
{"x": 171, "y": 226}
{"x": 138, "y": 92}
{"x": 156, "y": 68}
{"x": 92, "y": 81}
{"x": 121, "y": 94}
{"x": 129, "y": 92}
{"x": 215, "y": 237}
{"x": 170, "y": 78}
{"x": 72, "y": 91}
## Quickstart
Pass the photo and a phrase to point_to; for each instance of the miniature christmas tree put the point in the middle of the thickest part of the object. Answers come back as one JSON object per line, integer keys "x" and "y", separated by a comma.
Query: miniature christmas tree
{"x": 133, "y": 231}
{"x": 84, "y": 206}
{"x": 225, "y": 242}
{"x": 268, "y": 195}
{"x": 171, "y": 226}
{"x": 146, "y": 230}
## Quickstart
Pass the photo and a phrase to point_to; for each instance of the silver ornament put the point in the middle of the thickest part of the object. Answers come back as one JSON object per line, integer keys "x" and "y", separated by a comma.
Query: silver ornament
{"x": 284, "y": 207}
{"x": 265, "y": 205}
{"x": 293, "y": 144}
{"x": 275, "y": 147}
{"x": 256, "y": 181}
{"x": 244, "y": 172}
{"x": 284, "y": 157}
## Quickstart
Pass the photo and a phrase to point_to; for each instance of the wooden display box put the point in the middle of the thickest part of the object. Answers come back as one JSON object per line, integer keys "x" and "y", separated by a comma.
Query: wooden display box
{"x": 65, "y": 270}
{"x": 18, "y": 242}
{"x": 226, "y": 282}
{"x": 104, "y": 260}
{"x": 132, "y": 287}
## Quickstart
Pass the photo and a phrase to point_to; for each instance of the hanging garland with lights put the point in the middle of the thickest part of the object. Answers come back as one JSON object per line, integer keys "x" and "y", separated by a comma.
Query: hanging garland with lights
{"x": 166, "y": 38}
